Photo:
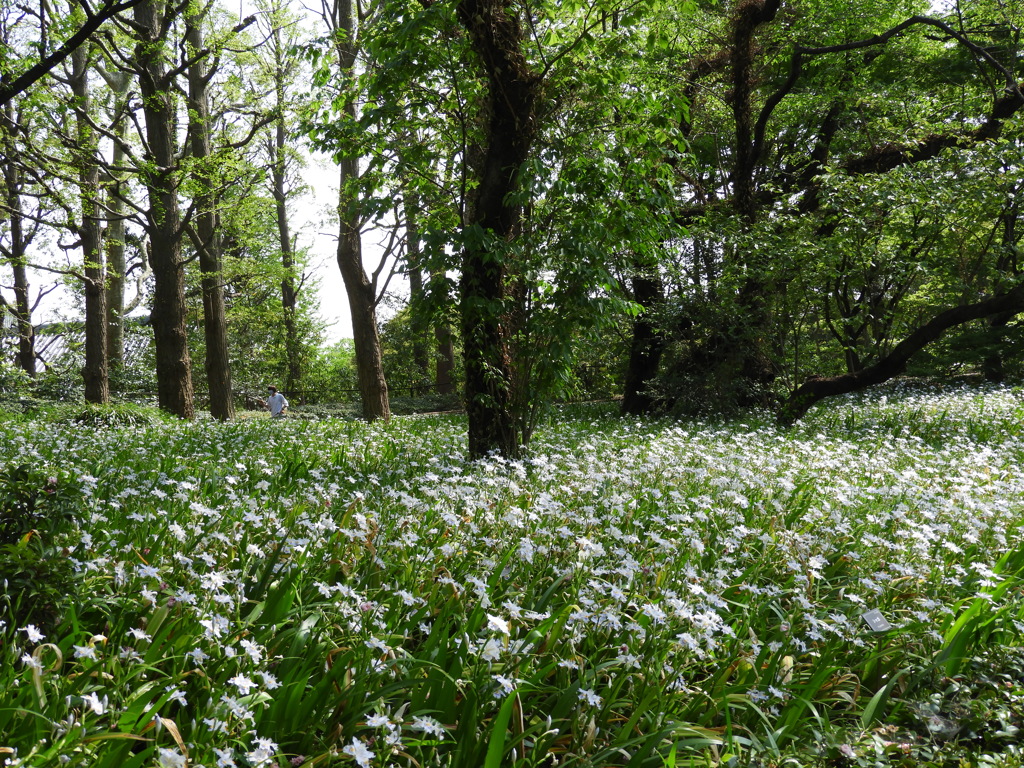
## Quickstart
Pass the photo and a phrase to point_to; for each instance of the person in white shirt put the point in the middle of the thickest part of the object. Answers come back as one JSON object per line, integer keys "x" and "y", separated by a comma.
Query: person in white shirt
{"x": 276, "y": 403}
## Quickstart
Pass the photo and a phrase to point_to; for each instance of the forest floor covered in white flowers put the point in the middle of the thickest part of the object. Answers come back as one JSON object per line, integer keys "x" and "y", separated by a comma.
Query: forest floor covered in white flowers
{"x": 633, "y": 593}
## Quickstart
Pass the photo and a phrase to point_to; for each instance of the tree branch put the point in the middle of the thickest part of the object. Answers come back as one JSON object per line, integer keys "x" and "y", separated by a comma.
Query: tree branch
{"x": 893, "y": 364}
{"x": 9, "y": 88}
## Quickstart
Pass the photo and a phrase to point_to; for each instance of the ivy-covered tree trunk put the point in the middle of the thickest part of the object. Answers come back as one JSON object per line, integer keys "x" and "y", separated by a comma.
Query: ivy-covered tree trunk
{"x": 215, "y": 328}
{"x": 170, "y": 333}
{"x": 493, "y": 219}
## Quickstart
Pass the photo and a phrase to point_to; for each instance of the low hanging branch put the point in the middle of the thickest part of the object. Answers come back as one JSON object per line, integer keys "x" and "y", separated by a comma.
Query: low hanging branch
{"x": 816, "y": 389}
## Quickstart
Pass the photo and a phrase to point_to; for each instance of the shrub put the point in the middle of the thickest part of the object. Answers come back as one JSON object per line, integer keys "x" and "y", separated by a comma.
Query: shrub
{"x": 37, "y": 511}
{"x": 117, "y": 415}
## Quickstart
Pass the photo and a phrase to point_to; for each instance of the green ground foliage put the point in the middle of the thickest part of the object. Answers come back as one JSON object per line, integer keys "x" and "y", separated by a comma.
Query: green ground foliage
{"x": 326, "y": 592}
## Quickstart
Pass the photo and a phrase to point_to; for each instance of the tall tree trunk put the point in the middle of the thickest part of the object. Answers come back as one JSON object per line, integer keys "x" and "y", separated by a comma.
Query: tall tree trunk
{"x": 115, "y": 245}
{"x": 417, "y": 309}
{"x": 418, "y": 322}
{"x": 26, "y": 357}
{"x": 114, "y": 242}
{"x": 512, "y": 93}
{"x": 360, "y": 291}
{"x": 739, "y": 353}
{"x": 170, "y": 336}
{"x": 20, "y": 238}
{"x": 992, "y": 365}
{"x": 215, "y": 326}
{"x": 95, "y": 373}
{"x": 289, "y": 295}
{"x": 373, "y": 387}
{"x": 279, "y": 169}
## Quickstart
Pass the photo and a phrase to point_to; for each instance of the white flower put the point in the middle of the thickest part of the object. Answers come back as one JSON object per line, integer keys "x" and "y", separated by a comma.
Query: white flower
{"x": 491, "y": 650}
{"x": 97, "y": 706}
{"x": 507, "y": 686}
{"x": 171, "y": 758}
{"x": 225, "y": 759}
{"x": 254, "y": 651}
{"x": 177, "y": 695}
{"x": 497, "y": 624}
{"x": 429, "y": 726}
{"x": 590, "y": 697}
{"x": 358, "y": 750}
{"x": 85, "y": 652}
{"x": 236, "y": 708}
{"x": 269, "y": 681}
{"x": 34, "y": 635}
{"x": 243, "y": 683}
{"x": 32, "y": 662}
{"x": 263, "y": 754}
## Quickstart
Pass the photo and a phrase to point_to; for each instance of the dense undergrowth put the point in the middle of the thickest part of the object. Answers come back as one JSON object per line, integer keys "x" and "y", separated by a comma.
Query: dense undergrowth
{"x": 634, "y": 593}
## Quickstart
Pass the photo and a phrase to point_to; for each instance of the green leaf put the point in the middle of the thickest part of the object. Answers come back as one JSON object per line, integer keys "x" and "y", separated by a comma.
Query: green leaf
{"x": 499, "y": 726}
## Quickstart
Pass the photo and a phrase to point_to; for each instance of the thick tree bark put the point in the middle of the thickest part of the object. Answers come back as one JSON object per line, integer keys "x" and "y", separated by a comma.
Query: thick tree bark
{"x": 814, "y": 390}
{"x": 95, "y": 372}
{"x": 20, "y": 238}
{"x": 215, "y": 324}
{"x": 418, "y": 324}
{"x": 26, "y": 357}
{"x": 494, "y": 218}
{"x": 173, "y": 364}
